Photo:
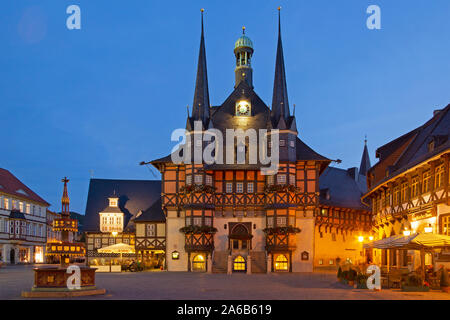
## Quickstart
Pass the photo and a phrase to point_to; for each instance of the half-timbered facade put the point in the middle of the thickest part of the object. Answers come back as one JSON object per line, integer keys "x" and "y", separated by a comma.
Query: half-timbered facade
{"x": 409, "y": 187}
{"x": 232, "y": 217}
{"x": 150, "y": 240}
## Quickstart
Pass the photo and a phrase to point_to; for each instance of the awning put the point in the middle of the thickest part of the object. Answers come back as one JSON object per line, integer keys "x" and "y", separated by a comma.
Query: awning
{"x": 382, "y": 243}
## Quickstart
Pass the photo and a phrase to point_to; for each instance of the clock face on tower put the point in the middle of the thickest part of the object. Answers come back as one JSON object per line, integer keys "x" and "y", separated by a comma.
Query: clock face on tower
{"x": 243, "y": 108}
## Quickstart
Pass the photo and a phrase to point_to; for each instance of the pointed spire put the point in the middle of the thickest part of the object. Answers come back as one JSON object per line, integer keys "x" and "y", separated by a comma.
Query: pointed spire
{"x": 293, "y": 126}
{"x": 280, "y": 103}
{"x": 200, "y": 108}
{"x": 65, "y": 201}
{"x": 365, "y": 160}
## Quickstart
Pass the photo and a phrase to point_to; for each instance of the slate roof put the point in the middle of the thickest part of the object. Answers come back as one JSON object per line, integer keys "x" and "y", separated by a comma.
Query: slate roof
{"x": 152, "y": 214}
{"x": 200, "y": 107}
{"x": 134, "y": 196}
{"x": 416, "y": 149}
{"x": 339, "y": 189}
{"x": 11, "y": 185}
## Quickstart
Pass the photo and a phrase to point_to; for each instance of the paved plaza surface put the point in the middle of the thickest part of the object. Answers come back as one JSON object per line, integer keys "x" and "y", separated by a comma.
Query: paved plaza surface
{"x": 184, "y": 285}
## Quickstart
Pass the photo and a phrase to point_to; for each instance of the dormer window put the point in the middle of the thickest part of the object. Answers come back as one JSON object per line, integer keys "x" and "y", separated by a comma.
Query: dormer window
{"x": 112, "y": 218}
{"x": 431, "y": 146}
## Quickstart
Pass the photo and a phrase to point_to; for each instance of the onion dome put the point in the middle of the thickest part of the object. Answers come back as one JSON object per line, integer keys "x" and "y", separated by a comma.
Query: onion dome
{"x": 243, "y": 41}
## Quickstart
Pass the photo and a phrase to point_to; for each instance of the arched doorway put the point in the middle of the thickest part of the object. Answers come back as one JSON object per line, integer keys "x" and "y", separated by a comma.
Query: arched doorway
{"x": 12, "y": 256}
{"x": 240, "y": 237}
{"x": 239, "y": 264}
{"x": 281, "y": 263}
{"x": 199, "y": 263}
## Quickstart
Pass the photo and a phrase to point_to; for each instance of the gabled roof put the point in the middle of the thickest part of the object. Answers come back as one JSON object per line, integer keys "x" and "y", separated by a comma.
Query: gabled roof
{"x": 9, "y": 184}
{"x": 152, "y": 214}
{"x": 339, "y": 189}
{"x": 134, "y": 196}
{"x": 411, "y": 149}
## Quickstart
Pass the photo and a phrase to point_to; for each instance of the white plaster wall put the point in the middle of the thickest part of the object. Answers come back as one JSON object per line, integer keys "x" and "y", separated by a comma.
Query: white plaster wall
{"x": 175, "y": 242}
{"x": 305, "y": 242}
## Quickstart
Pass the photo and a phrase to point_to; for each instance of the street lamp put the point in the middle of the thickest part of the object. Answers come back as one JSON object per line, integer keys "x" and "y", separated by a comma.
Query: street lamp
{"x": 360, "y": 238}
{"x": 406, "y": 232}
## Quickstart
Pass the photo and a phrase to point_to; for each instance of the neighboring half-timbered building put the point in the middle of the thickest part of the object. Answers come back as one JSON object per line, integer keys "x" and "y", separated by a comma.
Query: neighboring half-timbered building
{"x": 343, "y": 222}
{"x": 409, "y": 187}
{"x": 150, "y": 239}
{"x": 111, "y": 209}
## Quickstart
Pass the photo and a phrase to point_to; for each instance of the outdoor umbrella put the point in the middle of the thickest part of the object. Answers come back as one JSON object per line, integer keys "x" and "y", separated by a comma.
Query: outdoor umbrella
{"x": 418, "y": 241}
{"x": 118, "y": 248}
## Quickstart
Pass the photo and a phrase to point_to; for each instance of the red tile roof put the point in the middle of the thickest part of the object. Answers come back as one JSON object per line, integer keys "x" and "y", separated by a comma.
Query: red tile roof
{"x": 11, "y": 185}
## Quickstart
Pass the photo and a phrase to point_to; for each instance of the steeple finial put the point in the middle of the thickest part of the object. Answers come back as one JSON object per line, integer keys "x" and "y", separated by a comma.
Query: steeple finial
{"x": 200, "y": 107}
{"x": 280, "y": 103}
{"x": 243, "y": 29}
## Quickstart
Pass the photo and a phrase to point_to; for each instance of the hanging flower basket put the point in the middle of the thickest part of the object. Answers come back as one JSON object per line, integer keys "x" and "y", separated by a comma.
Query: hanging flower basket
{"x": 281, "y": 188}
{"x": 198, "y": 229}
{"x": 197, "y": 188}
{"x": 281, "y": 230}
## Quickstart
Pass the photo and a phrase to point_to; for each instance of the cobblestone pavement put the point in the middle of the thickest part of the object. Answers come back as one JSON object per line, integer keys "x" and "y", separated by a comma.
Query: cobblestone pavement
{"x": 183, "y": 285}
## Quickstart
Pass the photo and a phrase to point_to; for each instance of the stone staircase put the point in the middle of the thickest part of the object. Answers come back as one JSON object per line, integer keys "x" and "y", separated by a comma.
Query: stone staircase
{"x": 220, "y": 260}
{"x": 259, "y": 264}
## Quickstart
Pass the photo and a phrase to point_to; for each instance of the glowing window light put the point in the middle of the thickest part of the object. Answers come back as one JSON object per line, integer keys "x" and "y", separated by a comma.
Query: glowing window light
{"x": 428, "y": 229}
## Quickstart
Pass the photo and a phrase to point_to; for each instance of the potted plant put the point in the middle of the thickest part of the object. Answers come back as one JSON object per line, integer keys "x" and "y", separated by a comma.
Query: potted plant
{"x": 415, "y": 284}
{"x": 351, "y": 277}
{"x": 361, "y": 281}
{"x": 445, "y": 285}
{"x": 339, "y": 273}
{"x": 344, "y": 278}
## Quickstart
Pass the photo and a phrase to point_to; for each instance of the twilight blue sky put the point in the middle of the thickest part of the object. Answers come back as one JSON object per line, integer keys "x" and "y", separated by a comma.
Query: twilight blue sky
{"x": 107, "y": 96}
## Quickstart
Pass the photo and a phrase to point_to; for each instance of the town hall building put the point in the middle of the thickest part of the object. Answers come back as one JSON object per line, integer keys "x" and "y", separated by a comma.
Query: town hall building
{"x": 222, "y": 217}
